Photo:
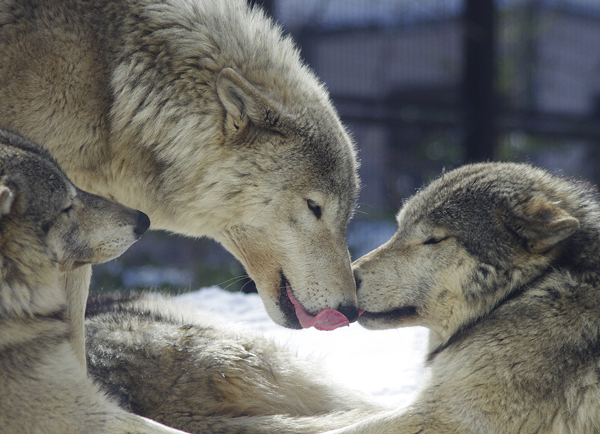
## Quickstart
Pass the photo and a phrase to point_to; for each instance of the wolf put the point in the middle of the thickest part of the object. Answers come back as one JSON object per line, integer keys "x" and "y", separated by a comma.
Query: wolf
{"x": 48, "y": 227}
{"x": 501, "y": 261}
{"x": 181, "y": 368}
{"x": 202, "y": 114}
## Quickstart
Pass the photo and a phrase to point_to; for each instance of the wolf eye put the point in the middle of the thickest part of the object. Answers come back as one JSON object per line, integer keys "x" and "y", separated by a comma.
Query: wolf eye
{"x": 434, "y": 240}
{"x": 316, "y": 209}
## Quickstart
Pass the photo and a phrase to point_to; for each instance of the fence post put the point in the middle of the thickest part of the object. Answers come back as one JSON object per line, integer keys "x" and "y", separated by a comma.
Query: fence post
{"x": 479, "y": 80}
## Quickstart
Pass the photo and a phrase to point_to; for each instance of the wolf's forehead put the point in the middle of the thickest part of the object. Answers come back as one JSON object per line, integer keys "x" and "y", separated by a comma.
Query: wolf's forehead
{"x": 343, "y": 184}
{"x": 53, "y": 190}
{"x": 44, "y": 181}
{"x": 472, "y": 189}
{"x": 444, "y": 192}
{"x": 328, "y": 165}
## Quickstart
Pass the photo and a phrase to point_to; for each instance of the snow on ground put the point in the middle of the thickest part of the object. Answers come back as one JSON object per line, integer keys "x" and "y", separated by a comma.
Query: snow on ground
{"x": 387, "y": 364}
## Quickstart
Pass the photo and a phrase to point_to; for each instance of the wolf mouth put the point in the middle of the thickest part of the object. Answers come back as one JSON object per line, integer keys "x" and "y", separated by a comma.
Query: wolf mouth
{"x": 327, "y": 319}
{"x": 401, "y": 313}
{"x": 286, "y": 305}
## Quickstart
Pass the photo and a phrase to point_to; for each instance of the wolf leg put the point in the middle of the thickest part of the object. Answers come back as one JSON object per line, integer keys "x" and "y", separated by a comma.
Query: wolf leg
{"x": 280, "y": 424}
{"x": 76, "y": 284}
{"x": 134, "y": 424}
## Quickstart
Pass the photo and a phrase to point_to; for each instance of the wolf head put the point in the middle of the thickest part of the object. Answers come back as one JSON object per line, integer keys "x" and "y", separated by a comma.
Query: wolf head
{"x": 295, "y": 205}
{"x": 247, "y": 149}
{"x": 48, "y": 226}
{"x": 469, "y": 240}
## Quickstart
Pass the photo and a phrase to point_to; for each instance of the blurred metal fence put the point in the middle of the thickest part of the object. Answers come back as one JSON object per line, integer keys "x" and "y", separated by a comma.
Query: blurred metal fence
{"x": 430, "y": 84}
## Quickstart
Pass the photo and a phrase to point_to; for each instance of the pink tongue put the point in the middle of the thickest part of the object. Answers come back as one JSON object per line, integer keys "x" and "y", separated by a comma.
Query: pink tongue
{"x": 328, "y": 319}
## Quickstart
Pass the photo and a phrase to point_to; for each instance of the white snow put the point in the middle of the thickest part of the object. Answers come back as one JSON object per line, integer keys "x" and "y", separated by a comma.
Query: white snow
{"x": 387, "y": 364}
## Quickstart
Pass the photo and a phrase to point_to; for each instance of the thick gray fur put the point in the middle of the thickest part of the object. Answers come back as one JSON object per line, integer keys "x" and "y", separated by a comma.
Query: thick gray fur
{"x": 48, "y": 227}
{"x": 501, "y": 261}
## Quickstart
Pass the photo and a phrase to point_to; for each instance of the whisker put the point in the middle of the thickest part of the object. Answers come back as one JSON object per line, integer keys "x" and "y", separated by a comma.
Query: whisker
{"x": 244, "y": 285}
{"x": 231, "y": 282}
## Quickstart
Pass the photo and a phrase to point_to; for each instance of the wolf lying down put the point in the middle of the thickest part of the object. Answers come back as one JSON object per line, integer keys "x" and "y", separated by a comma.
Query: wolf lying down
{"x": 498, "y": 260}
{"x": 182, "y": 370}
{"x": 48, "y": 227}
{"x": 502, "y": 263}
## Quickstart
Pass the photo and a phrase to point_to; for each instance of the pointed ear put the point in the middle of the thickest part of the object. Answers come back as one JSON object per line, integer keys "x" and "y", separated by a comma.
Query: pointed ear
{"x": 244, "y": 103}
{"x": 6, "y": 200}
{"x": 541, "y": 223}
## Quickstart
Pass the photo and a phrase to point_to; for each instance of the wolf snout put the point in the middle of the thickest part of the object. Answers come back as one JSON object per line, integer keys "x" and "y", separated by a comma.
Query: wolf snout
{"x": 143, "y": 223}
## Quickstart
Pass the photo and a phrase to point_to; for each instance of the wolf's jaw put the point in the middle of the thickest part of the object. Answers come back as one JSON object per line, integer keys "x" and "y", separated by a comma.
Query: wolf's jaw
{"x": 393, "y": 317}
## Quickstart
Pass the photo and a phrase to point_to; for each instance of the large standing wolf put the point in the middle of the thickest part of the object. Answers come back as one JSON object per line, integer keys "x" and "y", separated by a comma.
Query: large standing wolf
{"x": 501, "y": 261}
{"x": 49, "y": 227}
{"x": 201, "y": 114}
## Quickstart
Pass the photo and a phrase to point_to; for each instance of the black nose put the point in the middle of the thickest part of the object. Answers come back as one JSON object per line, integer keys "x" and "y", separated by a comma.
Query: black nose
{"x": 143, "y": 223}
{"x": 350, "y": 312}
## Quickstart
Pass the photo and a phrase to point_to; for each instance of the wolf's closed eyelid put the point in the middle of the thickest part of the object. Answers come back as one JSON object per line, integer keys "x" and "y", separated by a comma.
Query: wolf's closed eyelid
{"x": 434, "y": 240}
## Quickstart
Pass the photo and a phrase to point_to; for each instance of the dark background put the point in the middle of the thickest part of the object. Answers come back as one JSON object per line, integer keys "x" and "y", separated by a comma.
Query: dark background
{"x": 422, "y": 85}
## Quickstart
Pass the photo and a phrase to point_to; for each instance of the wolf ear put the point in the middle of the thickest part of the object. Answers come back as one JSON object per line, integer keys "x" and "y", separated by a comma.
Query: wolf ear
{"x": 6, "y": 200}
{"x": 244, "y": 103}
{"x": 542, "y": 224}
